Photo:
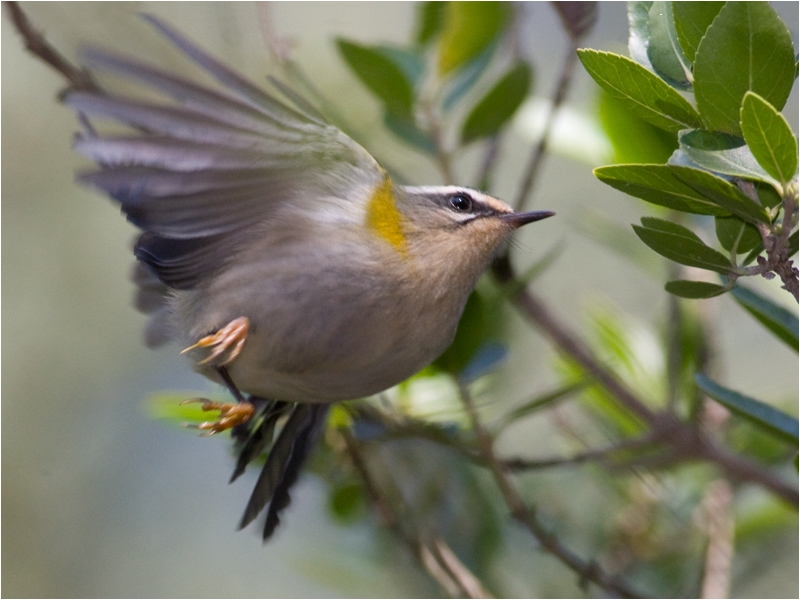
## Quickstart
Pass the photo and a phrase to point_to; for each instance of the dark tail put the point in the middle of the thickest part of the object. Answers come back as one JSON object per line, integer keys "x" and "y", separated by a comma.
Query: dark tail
{"x": 285, "y": 460}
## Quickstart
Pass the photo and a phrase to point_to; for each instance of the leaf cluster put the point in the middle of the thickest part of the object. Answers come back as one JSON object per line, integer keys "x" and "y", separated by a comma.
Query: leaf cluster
{"x": 736, "y": 156}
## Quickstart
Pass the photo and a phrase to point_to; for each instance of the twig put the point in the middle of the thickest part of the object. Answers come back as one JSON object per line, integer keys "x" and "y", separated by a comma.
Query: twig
{"x": 433, "y": 555}
{"x": 79, "y": 79}
{"x": 719, "y": 552}
{"x": 539, "y": 151}
{"x": 687, "y": 442}
{"x": 587, "y": 570}
{"x": 600, "y": 455}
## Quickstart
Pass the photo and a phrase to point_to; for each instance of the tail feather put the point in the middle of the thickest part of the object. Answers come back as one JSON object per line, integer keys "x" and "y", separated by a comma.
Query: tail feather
{"x": 284, "y": 462}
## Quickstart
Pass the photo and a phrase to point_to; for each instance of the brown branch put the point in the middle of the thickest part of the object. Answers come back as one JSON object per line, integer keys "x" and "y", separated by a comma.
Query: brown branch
{"x": 432, "y": 553}
{"x": 539, "y": 151}
{"x": 587, "y": 570}
{"x": 687, "y": 441}
{"x": 78, "y": 78}
{"x": 718, "y": 517}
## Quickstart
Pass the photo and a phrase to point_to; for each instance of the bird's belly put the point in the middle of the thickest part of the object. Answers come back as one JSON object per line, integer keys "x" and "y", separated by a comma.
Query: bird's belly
{"x": 323, "y": 328}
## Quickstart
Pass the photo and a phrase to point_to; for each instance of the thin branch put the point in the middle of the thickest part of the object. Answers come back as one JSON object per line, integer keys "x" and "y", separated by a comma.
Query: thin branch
{"x": 600, "y": 455}
{"x": 717, "y": 503}
{"x": 587, "y": 570}
{"x": 687, "y": 441}
{"x": 433, "y": 555}
{"x": 539, "y": 151}
{"x": 79, "y": 79}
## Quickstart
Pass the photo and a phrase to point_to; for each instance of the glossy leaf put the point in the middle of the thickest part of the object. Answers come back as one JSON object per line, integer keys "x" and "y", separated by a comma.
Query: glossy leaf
{"x": 722, "y": 193}
{"x": 758, "y": 413}
{"x": 767, "y": 194}
{"x": 722, "y": 153}
{"x": 746, "y": 47}
{"x": 658, "y": 184}
{"x": 663, "y": 49}
{"x": 381, "y": 75}
{"x": 678, "y": 243}
{"x": 769, "y": 137}
{"x": 691, "y": 22}
{"x": 640, "y": 91}
{"x": 694, "y": 289}
{"x": 639, "y": 32}
{"x": 733, "y": 232}
{"x": 469, "y": 28}
{"x": 793, "y": 243}
{"x": 497, "y": 107}
{"x": 778, "y": 320}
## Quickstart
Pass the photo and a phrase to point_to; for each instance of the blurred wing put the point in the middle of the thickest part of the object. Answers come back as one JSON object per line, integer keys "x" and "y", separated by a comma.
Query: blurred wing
{"x": 202, "y": 170}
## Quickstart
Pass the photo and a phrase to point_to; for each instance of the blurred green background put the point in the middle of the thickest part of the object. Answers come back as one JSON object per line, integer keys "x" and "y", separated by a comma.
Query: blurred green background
{"x": 100, "y": 500}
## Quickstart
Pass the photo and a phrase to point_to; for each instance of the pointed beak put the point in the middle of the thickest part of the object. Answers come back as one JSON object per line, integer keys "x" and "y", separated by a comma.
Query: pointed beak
{"x": 519, "y": 219}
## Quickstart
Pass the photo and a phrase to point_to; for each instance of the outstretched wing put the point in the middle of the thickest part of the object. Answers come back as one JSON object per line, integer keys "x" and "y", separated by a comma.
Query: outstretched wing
{"x": 203, "y": 168}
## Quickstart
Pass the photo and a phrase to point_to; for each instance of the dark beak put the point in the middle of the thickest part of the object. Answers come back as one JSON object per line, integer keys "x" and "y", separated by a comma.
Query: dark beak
{"x": 519, "y": 219}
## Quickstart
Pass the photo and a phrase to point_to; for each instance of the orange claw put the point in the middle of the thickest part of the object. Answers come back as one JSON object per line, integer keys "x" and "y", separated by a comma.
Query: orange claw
{"x": 226, "y": 343}
{"x": 231, "y": 415}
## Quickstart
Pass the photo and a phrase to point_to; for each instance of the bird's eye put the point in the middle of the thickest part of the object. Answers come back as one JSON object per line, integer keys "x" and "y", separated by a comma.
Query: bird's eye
{"x": 461, "y": 203}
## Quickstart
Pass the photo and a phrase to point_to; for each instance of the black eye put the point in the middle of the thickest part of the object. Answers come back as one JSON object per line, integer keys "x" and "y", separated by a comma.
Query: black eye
{"x": 461, "y": 203}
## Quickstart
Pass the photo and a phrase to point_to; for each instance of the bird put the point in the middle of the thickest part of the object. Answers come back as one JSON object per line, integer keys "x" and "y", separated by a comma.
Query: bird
{"x": 278, "y": 251}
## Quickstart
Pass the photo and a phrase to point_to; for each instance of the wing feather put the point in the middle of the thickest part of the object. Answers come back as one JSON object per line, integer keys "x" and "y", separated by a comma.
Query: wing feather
{"x": 204, "y": 167}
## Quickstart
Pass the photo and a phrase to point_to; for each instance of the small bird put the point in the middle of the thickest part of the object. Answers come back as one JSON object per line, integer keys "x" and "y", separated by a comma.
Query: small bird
{"x": 278, "y": 250}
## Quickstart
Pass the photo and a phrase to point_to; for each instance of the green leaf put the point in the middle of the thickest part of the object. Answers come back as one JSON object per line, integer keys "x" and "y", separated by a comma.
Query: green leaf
{"x": 167, "y": 407}
{"x": 778, "y": 320}
{"x": 458, "y": 86}
{"x": 634, "y": 139}
{"x": 497, "y": 107}
{"x": 407, "y": 131}
{"x": 758, "y": 413}
{"x": 543, "y": 401}
{"x": 381, "y": 75}
{"x": 346, "y": 501}
{"x": 722, "y": 193}
{"x": 639, "y": 32}
{"x": 658, "y": 184}
{"x": 768, "y": 195}
{"x": 678, "y": 243}
{"x": 430, "y": 17}
{"x": 770, "y": 138}
{"x": 694, "y": 289}
{"x": 722, "y": 153}
{"x": 691, "y": 22}
{"x": 411, "y": 63}
{"x": 746, "y": 47}
{"x": 793, "y": 243}
{"x": 663, "y": 49}
{"x": 469, "y": 28}
{"x": 733, "y": 232}
{"x": 640, "y": 91}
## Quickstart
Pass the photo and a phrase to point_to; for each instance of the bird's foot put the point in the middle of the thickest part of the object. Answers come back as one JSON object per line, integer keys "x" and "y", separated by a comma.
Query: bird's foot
{"x": 231, "y": 414}
{"x": 225, "y": 344}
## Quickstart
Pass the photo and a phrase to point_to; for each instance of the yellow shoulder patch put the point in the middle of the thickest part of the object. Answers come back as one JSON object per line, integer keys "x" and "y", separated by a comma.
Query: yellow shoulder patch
{"x": 383, "y": 217}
